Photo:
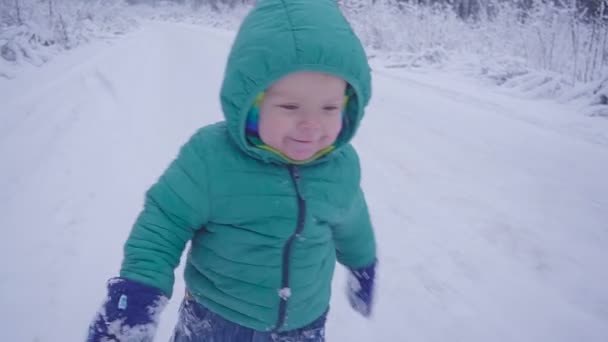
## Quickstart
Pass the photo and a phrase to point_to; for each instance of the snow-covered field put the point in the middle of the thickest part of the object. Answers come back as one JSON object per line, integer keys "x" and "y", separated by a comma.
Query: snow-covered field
{"x": 490, "y": 209}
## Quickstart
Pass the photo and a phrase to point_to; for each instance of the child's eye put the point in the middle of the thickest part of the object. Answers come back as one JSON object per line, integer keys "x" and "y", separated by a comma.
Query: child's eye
{"x": 289, "y": 106}
{"x": 331, "y": 108}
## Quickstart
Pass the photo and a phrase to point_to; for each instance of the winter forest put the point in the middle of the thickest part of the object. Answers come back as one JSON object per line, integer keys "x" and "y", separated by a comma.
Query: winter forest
{"x": 548, "y": 47}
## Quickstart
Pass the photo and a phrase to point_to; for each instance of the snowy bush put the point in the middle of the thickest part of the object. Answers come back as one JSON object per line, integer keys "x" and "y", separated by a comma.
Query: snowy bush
{"x": 221, "y": 14}
{"x": 546, "y": 48}
{"x": 34, "y": 30}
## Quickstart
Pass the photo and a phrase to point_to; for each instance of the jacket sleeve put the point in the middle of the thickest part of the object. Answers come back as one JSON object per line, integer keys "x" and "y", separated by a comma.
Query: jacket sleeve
{"x": 354, "y": 238}
{"x": 176, "y": 206}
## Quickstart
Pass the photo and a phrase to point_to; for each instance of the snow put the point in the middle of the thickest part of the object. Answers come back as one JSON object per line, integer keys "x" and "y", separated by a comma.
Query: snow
{"x": 44, "y": 30}
{"x": 138, "y": 332}
{"x": 547, "y": 50}
{"x": 490, "y": 208}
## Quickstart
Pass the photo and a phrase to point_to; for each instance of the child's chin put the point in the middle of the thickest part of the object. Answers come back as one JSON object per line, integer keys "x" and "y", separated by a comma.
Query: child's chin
{"x": 300, "y": 155}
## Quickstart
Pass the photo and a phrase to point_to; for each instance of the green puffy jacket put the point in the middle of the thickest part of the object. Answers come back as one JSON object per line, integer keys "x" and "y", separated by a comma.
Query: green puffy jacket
{"x": 265, "y": 234}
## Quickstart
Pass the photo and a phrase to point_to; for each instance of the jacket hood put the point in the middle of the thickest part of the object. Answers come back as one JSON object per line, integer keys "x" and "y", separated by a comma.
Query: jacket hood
{"x": 279, "y": 37}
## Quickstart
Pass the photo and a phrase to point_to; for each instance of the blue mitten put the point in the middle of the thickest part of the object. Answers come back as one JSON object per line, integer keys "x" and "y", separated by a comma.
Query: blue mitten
{"x": 360, "y": 289}
{"x": 130, "y": 313}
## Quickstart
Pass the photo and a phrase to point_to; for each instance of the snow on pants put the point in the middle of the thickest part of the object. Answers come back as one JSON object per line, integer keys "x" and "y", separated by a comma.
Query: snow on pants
{"x": 198, "y": 324}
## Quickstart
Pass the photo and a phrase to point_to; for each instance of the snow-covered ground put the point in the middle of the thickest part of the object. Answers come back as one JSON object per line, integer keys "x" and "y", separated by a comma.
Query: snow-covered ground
{"x": 491, "y": 210}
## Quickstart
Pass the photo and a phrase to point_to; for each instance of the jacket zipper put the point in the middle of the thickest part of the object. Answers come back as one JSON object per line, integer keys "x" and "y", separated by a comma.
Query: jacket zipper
{"x": 285, "y": 291}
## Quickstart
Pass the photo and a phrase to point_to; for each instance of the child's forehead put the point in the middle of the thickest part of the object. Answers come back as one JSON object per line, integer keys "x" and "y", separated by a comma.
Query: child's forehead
{"x": 304, "y": 94}
{"x": 307, "y": 84}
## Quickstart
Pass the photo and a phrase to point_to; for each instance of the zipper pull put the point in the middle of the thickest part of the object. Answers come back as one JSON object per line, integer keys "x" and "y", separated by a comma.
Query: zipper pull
{"x": 296, "y": 172}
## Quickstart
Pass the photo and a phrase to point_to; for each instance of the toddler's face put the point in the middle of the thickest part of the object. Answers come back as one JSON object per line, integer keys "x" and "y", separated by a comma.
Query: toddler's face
{"x": 301, "y": 113}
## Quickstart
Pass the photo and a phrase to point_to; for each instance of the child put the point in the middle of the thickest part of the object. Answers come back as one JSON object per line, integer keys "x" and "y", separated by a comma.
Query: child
{"x": 269, "y": 199}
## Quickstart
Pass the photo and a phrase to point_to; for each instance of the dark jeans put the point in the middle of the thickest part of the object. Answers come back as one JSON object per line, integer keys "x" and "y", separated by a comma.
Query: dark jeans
{"x": 198, "y": 324}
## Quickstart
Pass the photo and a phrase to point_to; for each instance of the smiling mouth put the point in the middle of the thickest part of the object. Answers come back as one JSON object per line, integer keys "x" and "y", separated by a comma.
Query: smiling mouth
{"x": 302, "y": 141}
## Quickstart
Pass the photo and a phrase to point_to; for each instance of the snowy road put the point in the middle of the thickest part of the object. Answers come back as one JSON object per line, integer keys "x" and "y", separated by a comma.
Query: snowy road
{"x": 491, "y": 211}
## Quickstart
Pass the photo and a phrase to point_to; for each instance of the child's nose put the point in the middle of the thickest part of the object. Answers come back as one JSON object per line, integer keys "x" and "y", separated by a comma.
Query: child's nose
{"x": 309, "y": 121}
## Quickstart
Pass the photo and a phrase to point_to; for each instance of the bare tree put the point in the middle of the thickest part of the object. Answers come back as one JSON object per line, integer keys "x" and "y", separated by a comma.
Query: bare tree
{"x": 10, "y": 12}
{"x": 51, "y": 13}
{"x": 18, "y": 12}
